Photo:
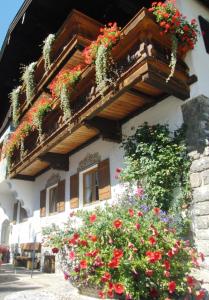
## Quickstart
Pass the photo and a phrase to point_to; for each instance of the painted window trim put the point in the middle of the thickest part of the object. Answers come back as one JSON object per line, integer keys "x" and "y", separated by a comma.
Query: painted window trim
{"x": 48, "y": 214}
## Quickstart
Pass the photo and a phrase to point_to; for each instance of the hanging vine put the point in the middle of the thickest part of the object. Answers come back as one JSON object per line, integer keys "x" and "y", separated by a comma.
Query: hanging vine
{"x": 47, "y": 51}
{"x": 99, "y": 53}
{"x": 14, "y": 97}
{"x": 63, "y": 86}
{"x": 38, "y": 112}
{"x": 28, "y": 78}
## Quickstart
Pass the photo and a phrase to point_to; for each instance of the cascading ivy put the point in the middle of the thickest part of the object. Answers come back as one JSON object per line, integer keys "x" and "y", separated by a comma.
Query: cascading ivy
{"x": 28, "y": 78}
{"x": 14, "y": 97}
{"x": 47, "y": 51}
{"x": 158, "y": 161}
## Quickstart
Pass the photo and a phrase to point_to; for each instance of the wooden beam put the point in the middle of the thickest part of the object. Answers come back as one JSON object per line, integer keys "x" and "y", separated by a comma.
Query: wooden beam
{"x": 57, "y": 161}
{"x": 24, "y": 177}
{"x": 141, "y": 96}
{"x": 109, "y": 129}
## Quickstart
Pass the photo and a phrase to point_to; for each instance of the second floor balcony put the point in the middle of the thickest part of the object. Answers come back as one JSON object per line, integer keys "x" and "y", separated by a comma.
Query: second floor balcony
{"x": 142, "y": 58}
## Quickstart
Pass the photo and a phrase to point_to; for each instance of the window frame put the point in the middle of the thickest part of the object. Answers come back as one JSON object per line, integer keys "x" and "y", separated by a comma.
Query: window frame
{"x": 82, "y": 202}
{"x": 48, "y": 200}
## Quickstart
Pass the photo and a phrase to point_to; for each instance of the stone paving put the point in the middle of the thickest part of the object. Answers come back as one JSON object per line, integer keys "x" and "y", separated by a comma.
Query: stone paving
{"x": 18, "y": 285}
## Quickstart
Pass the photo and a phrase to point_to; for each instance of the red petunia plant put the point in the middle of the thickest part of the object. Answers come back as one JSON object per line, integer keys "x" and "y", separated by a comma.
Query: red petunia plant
{"x": 99, "y": 53}
{"x": 63, "y": 86}
{"x": 110, "y": 254}
{"x": 183, "y": 33}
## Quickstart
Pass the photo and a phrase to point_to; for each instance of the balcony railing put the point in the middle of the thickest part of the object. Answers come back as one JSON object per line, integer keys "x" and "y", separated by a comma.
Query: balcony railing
{"x": 142, "y": 58}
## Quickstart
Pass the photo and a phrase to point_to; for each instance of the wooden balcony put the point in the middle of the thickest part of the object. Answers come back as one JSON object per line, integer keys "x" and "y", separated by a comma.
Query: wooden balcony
{"x": 142, "y": 57}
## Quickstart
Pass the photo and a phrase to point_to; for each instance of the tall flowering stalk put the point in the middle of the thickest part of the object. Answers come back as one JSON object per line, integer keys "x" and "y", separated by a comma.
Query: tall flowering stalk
{"x": 38, "y": 112}
{"x": 99, "y": 53}
{"x": 183, "y": 33}
{"x": 63, "y": 86}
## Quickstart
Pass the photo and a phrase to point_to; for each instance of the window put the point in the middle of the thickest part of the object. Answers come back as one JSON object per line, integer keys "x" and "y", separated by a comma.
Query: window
{"x": 91, "y": 186}
{"x": 53, "y": 194}
{"x": 204, "y": 25}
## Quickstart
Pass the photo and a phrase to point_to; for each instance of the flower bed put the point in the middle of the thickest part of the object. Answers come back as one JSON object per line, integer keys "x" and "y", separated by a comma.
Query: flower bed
{"x": 131, "y": 253}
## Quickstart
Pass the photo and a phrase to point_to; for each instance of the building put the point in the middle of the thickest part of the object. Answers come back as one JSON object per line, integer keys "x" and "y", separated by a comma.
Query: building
{"x": 74, "y": 164}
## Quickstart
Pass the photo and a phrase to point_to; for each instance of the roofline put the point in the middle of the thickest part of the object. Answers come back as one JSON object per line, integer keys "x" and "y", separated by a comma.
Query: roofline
{"x": 15, "y": 21}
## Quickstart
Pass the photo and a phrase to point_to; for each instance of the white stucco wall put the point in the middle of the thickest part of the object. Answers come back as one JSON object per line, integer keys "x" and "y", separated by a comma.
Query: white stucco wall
{"x": 197, "y": 59}
{"x": 167, "y": 111}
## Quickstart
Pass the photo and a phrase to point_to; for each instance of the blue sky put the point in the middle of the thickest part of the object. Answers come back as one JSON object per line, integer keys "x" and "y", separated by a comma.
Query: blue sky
{"x": 8, "y": 10}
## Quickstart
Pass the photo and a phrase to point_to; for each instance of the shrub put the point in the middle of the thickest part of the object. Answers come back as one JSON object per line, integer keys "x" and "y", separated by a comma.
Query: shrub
{"x": 130, "y": 252}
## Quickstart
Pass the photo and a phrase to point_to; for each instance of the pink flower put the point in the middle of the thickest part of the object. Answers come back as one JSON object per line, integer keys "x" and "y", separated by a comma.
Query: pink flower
{"x": 139, "y": 192}
{"x": 83, "y": 264}
{"x": 131, "y": 212}
{"x": 72, "y": 255}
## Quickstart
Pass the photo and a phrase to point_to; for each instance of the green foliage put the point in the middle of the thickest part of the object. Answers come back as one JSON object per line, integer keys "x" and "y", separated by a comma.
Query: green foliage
{"x": 133, "y": 252}
{"x": 28, "y": 78}
{"x": 102, "y": 65}
{"x": 47, "y": 50}
{"x": 65, "y": 102}
{"x": 14, "y": 97}
{"x": 158, "y": 161}
{"x": 38, "y": 117}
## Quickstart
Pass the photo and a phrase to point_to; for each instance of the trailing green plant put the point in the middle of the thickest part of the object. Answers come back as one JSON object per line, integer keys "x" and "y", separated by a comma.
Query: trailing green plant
{"x": 14, "y": 97}
{"x": 99, "y": 53}
{"x": 157, "y": 160}
{"x": 38, "y": 112}
{"x": 63, "y": 86}
{"x": 47, "y": 51}
{"x": 28, "y": 78}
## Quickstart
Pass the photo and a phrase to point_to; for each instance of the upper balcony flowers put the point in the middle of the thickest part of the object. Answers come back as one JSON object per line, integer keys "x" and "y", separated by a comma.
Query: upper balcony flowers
{"x": 63, "y": 86}
{"x": 183, "y": 33}
{"x": 99, "y": 53}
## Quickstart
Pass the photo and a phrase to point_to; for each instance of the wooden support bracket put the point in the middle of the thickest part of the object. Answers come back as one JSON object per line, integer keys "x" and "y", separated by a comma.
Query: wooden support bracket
{"x": 109, "y": 129}
{"x": 57, "y": 161}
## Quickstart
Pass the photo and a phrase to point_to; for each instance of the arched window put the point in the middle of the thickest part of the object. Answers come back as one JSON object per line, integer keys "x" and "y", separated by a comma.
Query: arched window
{"x": 5, "y": 232}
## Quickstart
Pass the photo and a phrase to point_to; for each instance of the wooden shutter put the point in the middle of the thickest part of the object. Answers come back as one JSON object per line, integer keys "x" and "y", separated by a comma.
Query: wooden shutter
{"x": 15, "y": 212}
{"x": 61, "y": 196}
{"x": 43, "y": 203}
{"x": 104, "y": 180}
{"x": 74, "y": 191}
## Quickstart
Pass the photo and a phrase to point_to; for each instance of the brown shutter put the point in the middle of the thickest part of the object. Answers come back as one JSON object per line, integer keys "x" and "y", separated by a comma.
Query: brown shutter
{"x": 15, "y": 212}
{"x": 43, "y": 203}
{"x": 74, "y": 191}
{"x": 104, "y": 180}
{"x": 61, "y": 196}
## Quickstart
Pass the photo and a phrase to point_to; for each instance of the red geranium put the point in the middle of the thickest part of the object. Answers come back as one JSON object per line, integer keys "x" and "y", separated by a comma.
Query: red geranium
{"x": 118, "y": 253}
{"x": 83, "y": 264}
{"x": 149, "y": 273}
{"x": 117, "y": 223}
{"x": 92, "y": 218}
{"x": 72, "y": 255}
{"x": 119, "y": 288}
{"x": 152, "y": 240}
{"x": 171, "y": 287}
{"x": 131, "y": 212}
{"x": 114, "y": 263}
{"x": 106, "y": 277}
{"x": 55, "y": 250}
{"x": 153, "y": 256}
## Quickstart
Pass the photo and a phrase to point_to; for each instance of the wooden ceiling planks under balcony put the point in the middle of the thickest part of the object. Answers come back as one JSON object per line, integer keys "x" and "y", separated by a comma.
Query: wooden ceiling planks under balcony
{"x": 34, "y": 168}
{"x": 74, "y": 140}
